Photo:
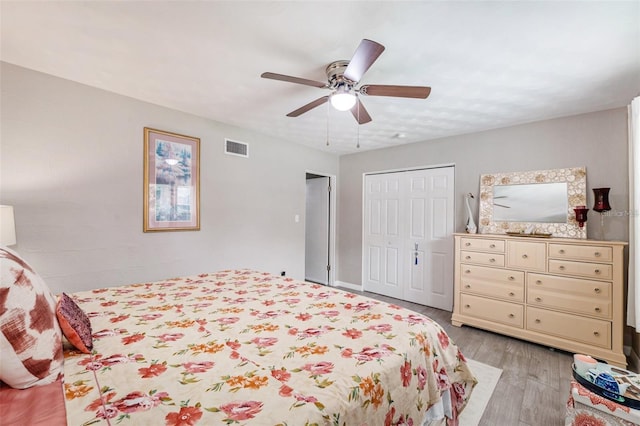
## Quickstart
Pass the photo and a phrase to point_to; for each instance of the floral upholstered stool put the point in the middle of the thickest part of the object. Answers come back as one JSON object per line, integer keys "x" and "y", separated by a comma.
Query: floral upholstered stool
{"x": 585, "y": 408}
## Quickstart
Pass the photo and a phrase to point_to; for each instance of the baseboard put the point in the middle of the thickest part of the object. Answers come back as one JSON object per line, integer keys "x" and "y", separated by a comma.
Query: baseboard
{"x": 350, "y": 286}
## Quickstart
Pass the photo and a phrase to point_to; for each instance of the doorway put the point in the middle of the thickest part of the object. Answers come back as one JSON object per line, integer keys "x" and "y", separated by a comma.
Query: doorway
{"x": 319, "y": 228}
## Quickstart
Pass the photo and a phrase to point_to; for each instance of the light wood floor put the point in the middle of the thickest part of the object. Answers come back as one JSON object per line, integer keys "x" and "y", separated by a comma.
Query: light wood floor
{"x": 534, "y": 385}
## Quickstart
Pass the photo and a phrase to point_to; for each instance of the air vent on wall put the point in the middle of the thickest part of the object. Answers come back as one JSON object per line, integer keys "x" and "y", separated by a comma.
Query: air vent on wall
{"x": 240, "y": 149}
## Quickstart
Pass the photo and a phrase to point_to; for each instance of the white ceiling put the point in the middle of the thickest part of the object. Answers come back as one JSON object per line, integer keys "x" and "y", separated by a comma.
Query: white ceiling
{"x": 490, "y": 64}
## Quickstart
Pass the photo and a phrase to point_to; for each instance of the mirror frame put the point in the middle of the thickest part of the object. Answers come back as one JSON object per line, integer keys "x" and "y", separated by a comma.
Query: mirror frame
{"x": 576, "y": 179}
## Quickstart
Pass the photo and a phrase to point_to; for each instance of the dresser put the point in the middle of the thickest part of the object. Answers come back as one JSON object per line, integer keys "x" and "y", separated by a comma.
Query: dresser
{"x": 558, "y": 292}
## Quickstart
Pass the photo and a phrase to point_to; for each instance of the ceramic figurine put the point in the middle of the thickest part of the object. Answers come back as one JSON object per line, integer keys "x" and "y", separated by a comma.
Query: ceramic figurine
{"x": 470, "y": 226}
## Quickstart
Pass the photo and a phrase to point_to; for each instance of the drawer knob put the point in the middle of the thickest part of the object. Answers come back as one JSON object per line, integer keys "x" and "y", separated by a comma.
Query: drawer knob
{"x": 467, "y": 271}
{"x": 597, "y": 290}
{"x": 524, "y": 256}
{"x": 538, "y": 321}
{"x": 467, "y": 244}
{"x": 467, "y": 286}
{"x": 597, "y": 254}
{"x": 538, "y": 299}
{"x": 512, "y": 294}
{"x": 561, "y": 251}
{"x": 492, "y": 246}
{"x": 512, "y": 278}
{"x": 511, "y": 316}
{"x": 539, "y": 282}
{"x": 597, "y": 309}
{"x": 467, "y": 306}
{"x": 561, "y": 267}
{"x": 492, "y": 260}
{"x": 596, "y": 333}
{"x": 597, "y": 271}
{"x": 467, "y": 257}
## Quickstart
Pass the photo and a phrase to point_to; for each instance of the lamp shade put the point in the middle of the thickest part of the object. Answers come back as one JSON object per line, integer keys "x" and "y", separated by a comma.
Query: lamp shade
{"x": 343, "y": 101}
{"x": 7, "y": 226}
{"x": 601, "y": 203}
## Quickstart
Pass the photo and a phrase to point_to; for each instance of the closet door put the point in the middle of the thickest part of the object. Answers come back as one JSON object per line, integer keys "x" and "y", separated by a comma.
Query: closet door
{"x": 429, "y": 217}
{"x": 407, "y": 244}
{"x": 383, "y": 255}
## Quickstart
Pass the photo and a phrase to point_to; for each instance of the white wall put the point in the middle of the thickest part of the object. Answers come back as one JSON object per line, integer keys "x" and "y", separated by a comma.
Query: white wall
{"x": 597, "y": 140}
{"x": 71, "y": 165}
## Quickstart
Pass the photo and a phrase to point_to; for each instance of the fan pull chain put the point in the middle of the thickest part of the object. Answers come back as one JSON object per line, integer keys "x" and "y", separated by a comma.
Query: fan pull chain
{"x": 358, "y": 124}
{"x": 328, "y": 123}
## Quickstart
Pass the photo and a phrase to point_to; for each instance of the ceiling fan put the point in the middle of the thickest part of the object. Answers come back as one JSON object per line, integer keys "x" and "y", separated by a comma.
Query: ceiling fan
{"x": 342, "y": 79}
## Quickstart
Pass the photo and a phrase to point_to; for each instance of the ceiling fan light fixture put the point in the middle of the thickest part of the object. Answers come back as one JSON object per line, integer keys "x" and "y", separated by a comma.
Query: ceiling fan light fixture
{"x": 343, "y": 77}
{"x": 343, "y": 101}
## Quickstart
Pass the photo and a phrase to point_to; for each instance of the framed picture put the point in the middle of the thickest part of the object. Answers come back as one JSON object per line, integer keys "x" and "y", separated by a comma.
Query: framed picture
{"x": 171, "y": 181}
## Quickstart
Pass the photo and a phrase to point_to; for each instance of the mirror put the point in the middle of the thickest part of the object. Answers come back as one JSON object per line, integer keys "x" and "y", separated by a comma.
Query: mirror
{"x": 540, "y": 201}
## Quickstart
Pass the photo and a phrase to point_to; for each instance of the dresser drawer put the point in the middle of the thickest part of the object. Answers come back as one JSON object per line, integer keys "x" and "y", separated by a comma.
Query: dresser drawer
{"x": 574, "y": 252}
{"x": 571, "y": 327}
{"x": 491, "y": 259}
{"x": 495, "y": 246}
{"x": 526, "y": 255}
{"x": 493, "y": 310}
{"x": 513, "y": 293}
{"x": 570, "y": 294}
{"x": 492, "y": 274}
{"x": 575, "y": 286}
{"x": 582, "y": 269}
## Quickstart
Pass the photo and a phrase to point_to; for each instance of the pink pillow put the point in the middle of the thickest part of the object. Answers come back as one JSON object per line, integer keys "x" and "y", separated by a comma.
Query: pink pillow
{"x": 75, "y": 324}
{"x": 30, "y": 338}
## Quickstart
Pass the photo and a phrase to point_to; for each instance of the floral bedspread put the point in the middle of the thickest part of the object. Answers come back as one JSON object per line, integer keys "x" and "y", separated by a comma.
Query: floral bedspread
{"x": 243, "y": 347}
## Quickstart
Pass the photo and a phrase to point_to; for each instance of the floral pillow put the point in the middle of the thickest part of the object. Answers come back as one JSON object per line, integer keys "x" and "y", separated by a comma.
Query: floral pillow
{"x": 30, "y": 337}
{"x": 75, "y": 324}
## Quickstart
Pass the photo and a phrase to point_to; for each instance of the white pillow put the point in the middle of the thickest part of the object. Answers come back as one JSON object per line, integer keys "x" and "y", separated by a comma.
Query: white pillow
{"x": 30, "y": 337}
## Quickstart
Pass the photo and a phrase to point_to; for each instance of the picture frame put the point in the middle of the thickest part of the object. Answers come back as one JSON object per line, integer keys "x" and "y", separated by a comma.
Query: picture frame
{"x": 171, "y": 181}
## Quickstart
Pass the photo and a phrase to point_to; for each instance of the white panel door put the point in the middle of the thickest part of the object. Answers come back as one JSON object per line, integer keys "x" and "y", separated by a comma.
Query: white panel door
{"x": 430, "y": 216}
{"x": 408, "y": 244}
{"x": 382, "y": 265}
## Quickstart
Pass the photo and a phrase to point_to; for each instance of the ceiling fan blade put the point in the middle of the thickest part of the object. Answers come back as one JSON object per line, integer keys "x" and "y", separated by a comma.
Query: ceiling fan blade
{"x": 360, "y": 113}
{"x": 421, "y": 92}
{"x": 309, "y": 106}
{"x": 366, "y": 54}
{"x": 290, "y": 79}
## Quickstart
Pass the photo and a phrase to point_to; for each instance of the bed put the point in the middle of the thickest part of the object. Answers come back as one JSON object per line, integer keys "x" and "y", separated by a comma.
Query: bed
{"x": 245, "y": 347}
